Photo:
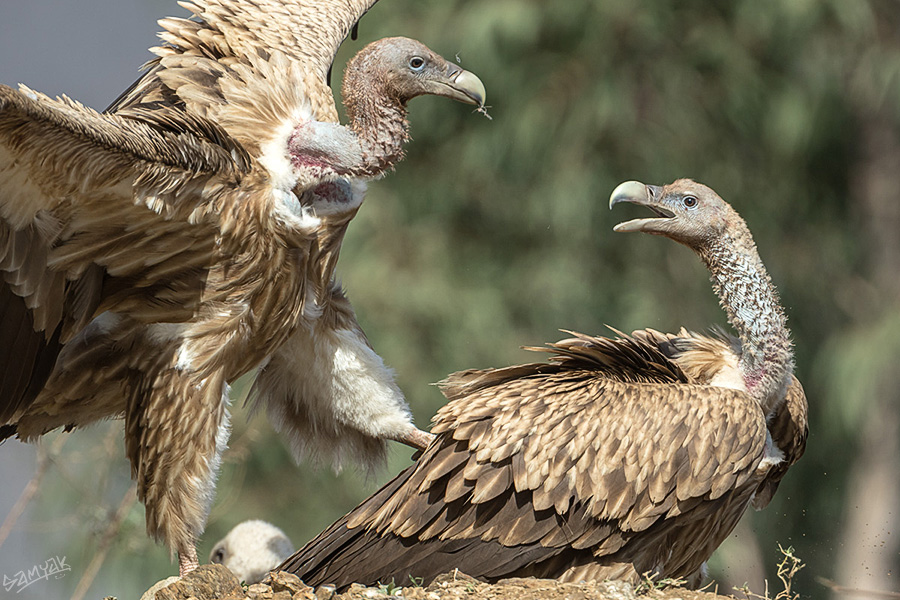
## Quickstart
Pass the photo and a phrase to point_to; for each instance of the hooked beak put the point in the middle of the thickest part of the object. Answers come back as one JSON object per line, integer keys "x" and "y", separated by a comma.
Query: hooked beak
{"x": 635, "y": 192}
{"x": 463, "y": 86}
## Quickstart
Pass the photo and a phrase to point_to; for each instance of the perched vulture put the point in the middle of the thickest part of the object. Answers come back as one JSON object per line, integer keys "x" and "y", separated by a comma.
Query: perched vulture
{"x": 152, "y": 255}
{"x": 618, "y": 458}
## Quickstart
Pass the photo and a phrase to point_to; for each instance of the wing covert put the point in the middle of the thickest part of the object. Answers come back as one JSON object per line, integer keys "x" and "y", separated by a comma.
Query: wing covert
{"x": 548, "y": 470}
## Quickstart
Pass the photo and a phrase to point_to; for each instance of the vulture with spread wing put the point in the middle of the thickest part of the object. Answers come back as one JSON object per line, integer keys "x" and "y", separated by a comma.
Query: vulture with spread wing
{"x": 151, "y": 255}
{"x": 620, "y": 457}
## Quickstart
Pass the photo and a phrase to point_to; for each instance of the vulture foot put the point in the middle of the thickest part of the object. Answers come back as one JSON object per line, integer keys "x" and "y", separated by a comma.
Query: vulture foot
{"x": 415, "y": 438}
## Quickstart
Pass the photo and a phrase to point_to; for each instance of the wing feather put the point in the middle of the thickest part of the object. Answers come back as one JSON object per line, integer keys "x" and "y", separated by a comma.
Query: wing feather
{"x": 789, "y": 427}
{"x": 224, "y": 34}
{"x": 75, "y": 212}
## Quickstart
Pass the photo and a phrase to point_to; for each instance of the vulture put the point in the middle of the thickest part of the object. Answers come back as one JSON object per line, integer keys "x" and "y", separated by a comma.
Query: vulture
{"x": 152, "y": 254}
{"x": 619, "y": 458}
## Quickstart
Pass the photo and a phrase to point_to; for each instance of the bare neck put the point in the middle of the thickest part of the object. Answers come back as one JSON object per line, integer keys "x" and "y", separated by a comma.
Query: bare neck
{"x": 378, "y": 120}
{"x": 751, "y": 302}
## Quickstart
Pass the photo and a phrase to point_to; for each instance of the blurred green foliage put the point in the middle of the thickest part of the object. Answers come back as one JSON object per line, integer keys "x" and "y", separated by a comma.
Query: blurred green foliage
{"x": 495, "y": 233}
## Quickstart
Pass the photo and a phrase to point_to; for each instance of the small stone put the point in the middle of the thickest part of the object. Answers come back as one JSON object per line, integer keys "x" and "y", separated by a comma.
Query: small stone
{"x": 282, "y": 580}
{"x": 454, "y": 577}
{"x": 259, "y": 591}
{"x": 617, "y": 590}
{"x": 325, "y": 592}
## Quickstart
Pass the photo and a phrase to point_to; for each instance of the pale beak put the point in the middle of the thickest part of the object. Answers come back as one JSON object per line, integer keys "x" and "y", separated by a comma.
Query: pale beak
{"x": 463, "y": 86}
{"x": 635, "y": 192}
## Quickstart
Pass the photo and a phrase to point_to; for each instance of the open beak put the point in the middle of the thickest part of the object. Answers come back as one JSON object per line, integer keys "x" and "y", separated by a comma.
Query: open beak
{"x": 635, "y": 192}
{"x": 463, "y": 86}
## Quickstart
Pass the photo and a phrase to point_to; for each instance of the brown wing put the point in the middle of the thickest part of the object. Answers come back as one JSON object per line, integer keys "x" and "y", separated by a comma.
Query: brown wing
{"x": 93, "y": 210}
{"x": 789, "y": 427}
{"x": 702, "y": 356}
{"x": 541, "y": 468}
{"x": 230, "y": 32}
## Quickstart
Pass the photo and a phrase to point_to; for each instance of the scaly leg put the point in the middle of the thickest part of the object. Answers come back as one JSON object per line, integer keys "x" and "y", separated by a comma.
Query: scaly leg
{"x": 187, "y": 560}
{"x": 415, "y": 438}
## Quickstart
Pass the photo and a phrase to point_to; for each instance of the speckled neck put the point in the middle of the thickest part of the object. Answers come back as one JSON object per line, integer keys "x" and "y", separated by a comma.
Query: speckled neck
{"x": 378, "y": 120}
{"x": 751, "y": 302}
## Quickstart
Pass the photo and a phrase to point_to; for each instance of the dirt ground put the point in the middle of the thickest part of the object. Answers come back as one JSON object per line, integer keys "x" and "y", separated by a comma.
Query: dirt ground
{"x": 214, "y": 582}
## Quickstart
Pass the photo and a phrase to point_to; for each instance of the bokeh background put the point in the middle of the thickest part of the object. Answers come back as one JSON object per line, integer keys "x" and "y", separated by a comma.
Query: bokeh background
{"x": 494, "y": 234}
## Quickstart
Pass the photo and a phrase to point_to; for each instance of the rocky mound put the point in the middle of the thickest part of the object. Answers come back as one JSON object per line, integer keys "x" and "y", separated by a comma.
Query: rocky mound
{"x": 215, "y": 582}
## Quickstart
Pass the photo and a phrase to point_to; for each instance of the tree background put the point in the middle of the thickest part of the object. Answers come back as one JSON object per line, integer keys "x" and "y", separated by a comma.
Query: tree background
{"x": 495, "y": 234}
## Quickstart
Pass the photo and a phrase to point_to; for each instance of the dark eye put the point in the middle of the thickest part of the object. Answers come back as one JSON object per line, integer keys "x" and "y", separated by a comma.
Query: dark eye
{"x": 689, "y": 201}
{"x": 218, "y": 556}
{"x": 416, "y": 63}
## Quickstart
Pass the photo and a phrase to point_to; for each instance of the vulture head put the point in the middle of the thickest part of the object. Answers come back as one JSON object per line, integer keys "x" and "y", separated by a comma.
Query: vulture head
{"x": 694, "y": 215}
{"x": 399, "y": 69}
{"x": 686, "y": 211}
{"x": 252, "y": 549}
{"x": 378, "y": 82}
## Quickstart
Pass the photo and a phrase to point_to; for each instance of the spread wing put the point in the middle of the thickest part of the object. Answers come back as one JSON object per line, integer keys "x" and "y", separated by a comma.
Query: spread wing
{"x": 226, "y": 33}
{"x": 94, "y": 210}
{"x": 539, "y": 468}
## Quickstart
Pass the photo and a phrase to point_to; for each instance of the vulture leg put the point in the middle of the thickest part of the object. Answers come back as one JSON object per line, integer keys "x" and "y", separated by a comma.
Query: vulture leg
{"x": 187, "y": 560}
{"x": 175, "y": 460}
{"x": 415, "y": 438}
{"x": 333, "y": 397}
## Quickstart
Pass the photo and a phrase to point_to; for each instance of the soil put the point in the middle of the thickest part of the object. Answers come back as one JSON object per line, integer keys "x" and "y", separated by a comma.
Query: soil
{"x": 215, "y": 582}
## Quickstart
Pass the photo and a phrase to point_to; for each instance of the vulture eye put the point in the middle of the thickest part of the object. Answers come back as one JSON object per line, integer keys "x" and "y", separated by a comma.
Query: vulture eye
{"x": 689, "y": 201}
{"x": 218, "y": 556}
{"x": 416, "y": 63}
